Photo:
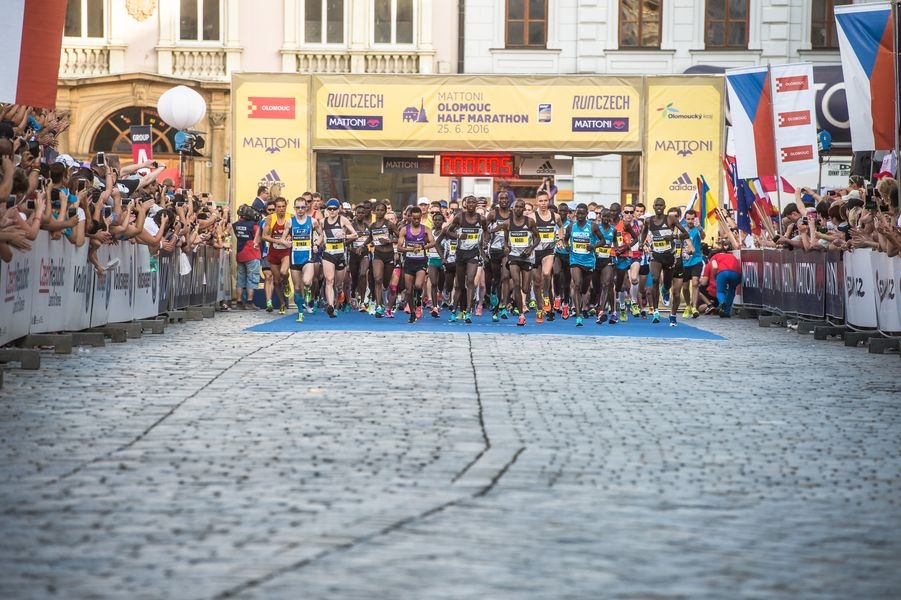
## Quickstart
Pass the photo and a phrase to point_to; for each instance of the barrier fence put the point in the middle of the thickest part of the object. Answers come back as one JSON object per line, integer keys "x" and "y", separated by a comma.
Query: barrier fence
{"x": 53, "y": 287}
{"x": 860, "y": 287}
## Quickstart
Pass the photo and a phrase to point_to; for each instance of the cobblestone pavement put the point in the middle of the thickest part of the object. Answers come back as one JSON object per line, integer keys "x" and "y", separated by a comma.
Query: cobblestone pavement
{"x": 212, "y": 462}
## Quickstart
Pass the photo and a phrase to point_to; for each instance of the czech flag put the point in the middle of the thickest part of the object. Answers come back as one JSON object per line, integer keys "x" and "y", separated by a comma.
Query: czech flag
{"x": 865, "y": 41}
{"x": 751, "y": 107}
{"x": 31, "y": 38}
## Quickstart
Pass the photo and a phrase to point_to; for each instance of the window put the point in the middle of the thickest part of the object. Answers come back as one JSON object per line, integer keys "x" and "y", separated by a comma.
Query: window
{"x": 393, "y": 22}
{"x": 84, "y": 18}
{"x": 323, "y": 21}
{"x": 727, "y": 24}
{"x": 639, "y": 24}
{"x": 114, "y": 134}
{"x": 822, "y": 23}
{"x": 526, "y": 23}
{"x": 630, "y": 178}
{"x": 199, "y": 20}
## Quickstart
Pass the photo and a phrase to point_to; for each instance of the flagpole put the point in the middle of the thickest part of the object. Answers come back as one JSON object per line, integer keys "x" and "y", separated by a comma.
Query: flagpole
{"x": 769, "y": 73}
{"x": 895, "y": 91}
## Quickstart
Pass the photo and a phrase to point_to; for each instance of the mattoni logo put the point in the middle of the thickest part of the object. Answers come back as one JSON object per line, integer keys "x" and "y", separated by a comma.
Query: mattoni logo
{"x": 793, "y": 83}
{"x": 683, "y": 182}
{"x": 683, "y": 147}
{"x": 261, "y": 107}
{"x": 793, "y": 118}
{"x": 272, "y": 145}
{"x": 600, "y": 124}
{"x": 354, "y": 122}
{"x": 796, "y": 153}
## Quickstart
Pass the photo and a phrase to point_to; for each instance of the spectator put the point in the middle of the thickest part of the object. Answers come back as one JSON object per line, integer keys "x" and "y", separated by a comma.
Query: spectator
{"x": 259, "y": 203}
{"x": 247, "y": 233}
{"x": 725, "y": 268}
{"x": 547, "y": 185}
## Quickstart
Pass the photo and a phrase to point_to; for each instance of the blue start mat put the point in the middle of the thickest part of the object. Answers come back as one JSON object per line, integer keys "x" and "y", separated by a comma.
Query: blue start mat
{"x": 356, "y": 321}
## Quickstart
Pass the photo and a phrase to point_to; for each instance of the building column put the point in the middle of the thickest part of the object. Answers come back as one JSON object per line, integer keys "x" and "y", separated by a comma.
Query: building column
{"x": 218, "y": 146}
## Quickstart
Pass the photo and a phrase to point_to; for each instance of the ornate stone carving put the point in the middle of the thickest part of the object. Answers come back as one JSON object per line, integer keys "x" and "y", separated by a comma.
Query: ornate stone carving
{"x": 140, "y": 10}
{"x": 217, "y": 119}
{"x": 139, "y": 91}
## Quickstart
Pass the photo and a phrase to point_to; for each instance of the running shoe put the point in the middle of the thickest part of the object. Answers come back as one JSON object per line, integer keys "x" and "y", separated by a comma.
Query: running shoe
{"x": 331, "y": 311}
{"x": 268, "y": 305}
{"x": 613, "y": 319}
{"x": 494, "y": 301}
{"x": 379, "y": 312}
{"x": 532, "y": 304}
{"x": 644, "y": 314}
{"x": 672, "y": 320}
{"x": 635, "y": 310}
{"x": 539, "y": 316}
{"x": 494, "y": 317}
{"x": 665, "y": 293}
{"x": 623, "y": 314}
{"x": 550, "y": 315}
{"x": 592, "y": 312}
{"x": 308, "y": 309}
{"x": 687, "y": 312}
{"x": 521, "y": 321}
{"x": 389, "y": 313}
{"x": 547, "y": 304}
{"x": 419, "y": 312}
{"x": 557, "y": 303}
{"x": 578, "y": 321}
{"x": 341, "y": 297}
{"x": 354, "y": 304}
{"x": 452, "y": 318}
{"x": 407, "y": 308}
{"x": 565, "y": 311}
{"x": 282, "y": 309}
{"x": 461, "y": 316}
{"x": 435, "y": 313}
{"x": 467, "y": 318}
{"x": 655, "y": 317}
{"x": 504, "y": 314}
{"x": 413, "y": 317}
{"x": 364, "y": 308}
{"x": 695, "y": 313}
{"x": 300, "y": 317}
{"x": 602, "y": 318}
{"x": 479, "y": 310}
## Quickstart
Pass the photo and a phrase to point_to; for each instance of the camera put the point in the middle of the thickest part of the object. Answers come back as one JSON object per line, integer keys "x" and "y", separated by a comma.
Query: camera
{"x": 248, "y": 213}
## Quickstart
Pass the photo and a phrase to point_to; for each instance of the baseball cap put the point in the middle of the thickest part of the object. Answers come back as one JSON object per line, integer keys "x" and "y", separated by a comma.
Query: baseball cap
{"x": 882, "y": 174}
{"x": 345, "y": 205}
{"x": 423, "y": 200}
{"x": 442, "y": 203}
{"x": 67, "y": 160}
{"x": 333, "y": 203}
{"x": 592, "y": 215}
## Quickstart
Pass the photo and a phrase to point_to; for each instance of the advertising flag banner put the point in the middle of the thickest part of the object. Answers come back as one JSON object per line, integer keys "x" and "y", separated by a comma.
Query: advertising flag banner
{"x": 575, "y": 113}
{"x": 271, "y": 136}
{"x": 794, "y": 118}
{"x": 684, "y": 119}
{"x": 751, "y": 108}
{"x": 30, "y": 44}
{"x": 141, "y": 143}
{"x": 865, "y": 41}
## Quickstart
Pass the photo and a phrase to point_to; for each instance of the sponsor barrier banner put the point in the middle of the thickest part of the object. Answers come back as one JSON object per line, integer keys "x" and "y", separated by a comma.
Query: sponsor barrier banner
{"x": 467, "y": 112}
{"x": 121, "y": 296}
{"x": 886, "y": 277}
{"x": 15, "y": 309}
{"x": 809, "y": 283}
{"x": 50, "y": 277}
{"x": 752, "y": 278}
{"x": 772, "y": 280}
{"x": 684, "y": 121}
{"x": 146, "y": 285}
{"x": 860, "y": 304}
{"x": 166, "y": 273}
{"x": 271, "y": 145}
{"x": 835, "y": 287}
{"x": 103, "y": 283}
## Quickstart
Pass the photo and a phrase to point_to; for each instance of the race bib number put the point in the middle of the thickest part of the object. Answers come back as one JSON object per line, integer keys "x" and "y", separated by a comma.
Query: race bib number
{"x": 519, "y": 241}
{"x": 452, "y": 247}
{"x": 580, "y": 247}
{"x": 301, "y": 245}
{"x": 602, "y": 252}
{"x": 470, "y": 237}
{"x": 661, "y": 245}
{"x": 433, "y": 253}
{"x": 334, "y": 247}
{"x": 546, "y": 236}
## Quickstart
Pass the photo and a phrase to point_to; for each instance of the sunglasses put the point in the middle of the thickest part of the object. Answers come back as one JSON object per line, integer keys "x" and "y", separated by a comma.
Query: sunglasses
{"x": 628, "y": 212}
{"x": 300, "y": 206}
{"x": 270, "y": 210}
{"x": 332, "y": 208}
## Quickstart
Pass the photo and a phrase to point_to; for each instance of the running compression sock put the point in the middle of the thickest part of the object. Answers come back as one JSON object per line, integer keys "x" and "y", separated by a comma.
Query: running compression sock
{"x": 298, "y": 301}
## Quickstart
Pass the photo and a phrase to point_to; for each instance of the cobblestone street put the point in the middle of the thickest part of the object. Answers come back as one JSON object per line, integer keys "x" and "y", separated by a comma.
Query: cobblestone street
{"x": 213, "y": 462}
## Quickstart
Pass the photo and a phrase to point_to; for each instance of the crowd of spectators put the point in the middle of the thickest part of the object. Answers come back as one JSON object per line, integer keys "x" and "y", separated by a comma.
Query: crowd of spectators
{"x": 97, "y": 202}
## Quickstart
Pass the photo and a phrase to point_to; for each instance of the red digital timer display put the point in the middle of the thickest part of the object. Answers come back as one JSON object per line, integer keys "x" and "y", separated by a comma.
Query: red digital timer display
{"x": 477, "y": 165}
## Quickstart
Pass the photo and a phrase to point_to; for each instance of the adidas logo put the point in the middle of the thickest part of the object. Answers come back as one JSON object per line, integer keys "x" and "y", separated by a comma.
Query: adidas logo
{"x": 546, "y": 168}
{"x": 270, "y": 178}
{"x": 683, "y": 182}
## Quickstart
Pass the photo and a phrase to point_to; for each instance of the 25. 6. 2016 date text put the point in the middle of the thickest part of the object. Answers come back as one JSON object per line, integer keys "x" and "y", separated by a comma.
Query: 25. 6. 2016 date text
{"x": 468, "y": 128}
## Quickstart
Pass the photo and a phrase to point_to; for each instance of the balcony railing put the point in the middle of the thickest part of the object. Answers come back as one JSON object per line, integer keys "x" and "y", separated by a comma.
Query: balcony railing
{"x": 84, "y": 61}
{"x": 400, "y": 63}
{"x": 199, "y": 63}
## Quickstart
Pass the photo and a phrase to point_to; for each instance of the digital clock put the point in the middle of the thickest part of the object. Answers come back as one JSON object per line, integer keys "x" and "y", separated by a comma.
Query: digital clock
{"x": 477, "y": 165}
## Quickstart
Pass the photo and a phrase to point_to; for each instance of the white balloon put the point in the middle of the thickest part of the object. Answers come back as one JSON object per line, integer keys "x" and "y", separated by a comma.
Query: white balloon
{"x": 181, "y": 107}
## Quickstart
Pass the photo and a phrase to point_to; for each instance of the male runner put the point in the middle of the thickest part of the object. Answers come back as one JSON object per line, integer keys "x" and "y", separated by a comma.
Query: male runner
{"x": 382, "y": 232}
{"x": 549, "y": 226}
{"x": 661, "y": 228}
{"x": 581, "y": 236}
{"x": 496, "y": 273}
{"x": 469, "y": 229}
{"x": 275, "y": 233}
{"x": 301, "y": 233}
{"x": 359, "y": 258}
{"x": 602, "y": 279}
{"x": 521, "y": 237}
{"x": 414, "y": 242}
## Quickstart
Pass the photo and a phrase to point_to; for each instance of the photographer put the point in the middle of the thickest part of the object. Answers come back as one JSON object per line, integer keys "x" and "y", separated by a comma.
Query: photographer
{"x": 248, "y": 236}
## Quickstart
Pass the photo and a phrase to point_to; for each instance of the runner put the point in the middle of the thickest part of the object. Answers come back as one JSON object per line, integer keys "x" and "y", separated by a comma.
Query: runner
{"x": 626, "y": 241}
{"x": 382, "y": 232}
{"x": 660, "y": 227}
{"x": 414, "y": 243}
{"x": 581, "y": 236}
{"x": 449, "y": 255}
{"x": 521, "y": 236}
{"x": 437, "y": 273}
{"x": 562, "y": 276}
{"x": 693, "y": 265}
{"x": 679, "y": 247}
{"x": 264, "y": 252}
{"x": 275, "y": 233}
{"x": 602, "y": 278}
{"x": 549, "y": 225}
{"x": 359, "y": 259}
{"x": 301, "y": 232}
{"x": 337, "y": 231}
{"x": 497, "y": 276}
{"x": 469, "y": 229}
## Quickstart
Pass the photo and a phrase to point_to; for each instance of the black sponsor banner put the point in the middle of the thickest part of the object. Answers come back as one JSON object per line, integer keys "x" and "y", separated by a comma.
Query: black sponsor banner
{"x": 408, "y": 164}
{"x": 198, "y": 262}
{"x": 182, "y": 282}
{"x": 165, "y": 282}
{"x": 211, "y": 285}
{"x": 835, "y": 276}
{"x": 771, "y": 283}
{"x": 809, "y": 280}
{"x": 752, "y": 278}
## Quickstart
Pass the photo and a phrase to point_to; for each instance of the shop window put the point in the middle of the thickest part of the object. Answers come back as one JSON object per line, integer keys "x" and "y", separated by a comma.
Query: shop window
{"x": 727, "y": 24}
{"x": 526, "y": 22}
{"x": 114, "y": 134}
{"x": 639, "y": 24}
{"x": 630, "y": 178}
{"x": 84, "y": 19}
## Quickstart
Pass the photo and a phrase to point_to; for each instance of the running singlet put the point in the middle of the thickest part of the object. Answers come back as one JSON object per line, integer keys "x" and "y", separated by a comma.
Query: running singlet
{"x": 381, "y": 235}
{"x": 450, "y": 251}
{"x": 470, "y": 235}
{"x": 417, "y": 243}
{"x": 659, "y": 234}
{"x": 545, "y": 231}
{"x": 606, "y": 251}
{"x": 695, "y": 257}
{"x": 264, "y": 245}
{"x": 362, "y": 238}
{"x": 579, "y": 239}
{"x": 277, "y": 231}
{"x": 301, "y": 241}
{"x": 562, "y": 249}
{"x": 433, "y": 253}
{"x": 497, "y": 238}
{"x": 334, "y": 238}
{"x": 520, "y": 238}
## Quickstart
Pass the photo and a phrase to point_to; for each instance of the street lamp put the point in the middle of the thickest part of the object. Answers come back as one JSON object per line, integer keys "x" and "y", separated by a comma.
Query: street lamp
{"x": 182, "y": 108}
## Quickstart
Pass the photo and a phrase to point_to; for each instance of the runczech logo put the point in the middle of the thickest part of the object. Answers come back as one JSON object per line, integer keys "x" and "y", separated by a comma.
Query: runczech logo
{"x": 415, "y": 115}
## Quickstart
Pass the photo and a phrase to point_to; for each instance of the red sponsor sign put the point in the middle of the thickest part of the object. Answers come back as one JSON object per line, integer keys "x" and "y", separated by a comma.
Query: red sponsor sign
{"x": 796, "y": 153}
{"x": 795, "y": 83}
{"x": 794, "y": 118}
{"x": 259, "y": 107}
